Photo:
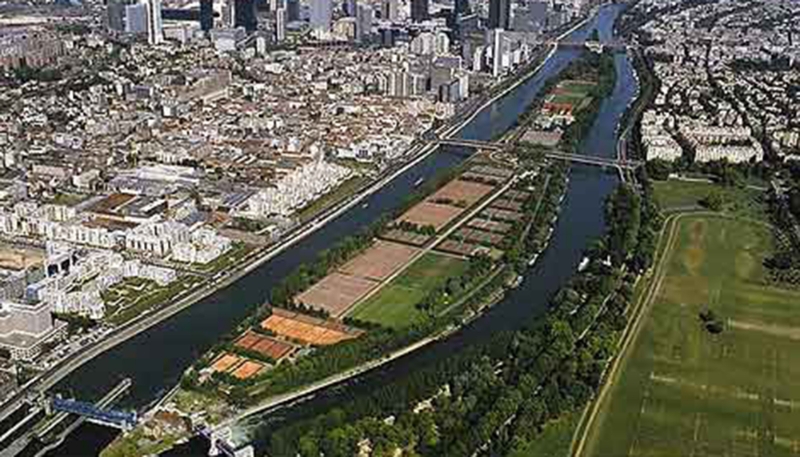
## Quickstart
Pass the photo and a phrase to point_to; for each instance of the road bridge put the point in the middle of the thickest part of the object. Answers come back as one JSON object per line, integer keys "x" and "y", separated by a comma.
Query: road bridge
{"x": 614, "y": 45}
{"x": 99, "y": 414}
{"x": 554, "y": 154}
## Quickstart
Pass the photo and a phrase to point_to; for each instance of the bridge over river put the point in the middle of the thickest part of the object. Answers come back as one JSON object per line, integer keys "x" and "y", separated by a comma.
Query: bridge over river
{"x": 621, "y": 164}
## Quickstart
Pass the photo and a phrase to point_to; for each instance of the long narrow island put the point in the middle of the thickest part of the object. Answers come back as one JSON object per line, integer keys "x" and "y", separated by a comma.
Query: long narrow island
{"x": 415, "y": 276}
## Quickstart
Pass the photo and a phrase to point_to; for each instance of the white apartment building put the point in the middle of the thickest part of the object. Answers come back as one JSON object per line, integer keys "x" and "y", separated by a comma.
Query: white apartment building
{"x": 203, "y": 246}
{"x": 298, "y": 188}
{"x": 156, "y": 238}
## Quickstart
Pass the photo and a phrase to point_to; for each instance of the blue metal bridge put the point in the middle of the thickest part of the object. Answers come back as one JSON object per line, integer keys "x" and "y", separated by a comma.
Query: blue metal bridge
{"x": 100, "y": 412}
{"x": 110, "y": 417}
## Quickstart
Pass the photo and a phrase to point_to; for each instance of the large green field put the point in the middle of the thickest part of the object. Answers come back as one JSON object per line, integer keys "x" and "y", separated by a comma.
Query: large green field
{"x": 684, "y": 391}
{"x": 675, "y": 195}
{"x": 394, "y": 305}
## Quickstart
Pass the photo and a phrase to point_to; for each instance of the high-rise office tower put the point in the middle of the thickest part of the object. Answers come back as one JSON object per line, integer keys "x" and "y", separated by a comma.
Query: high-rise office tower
{"x": 115, "y": 14}
{"x": 280, "y": 24}
{"x": 155, "y": 27}
{"x": 389, "y": 10}
{"x": 206, "y": 15}
{"x": 499, "y": 14}
{"x": 292, "y": 10}
{"x": 419, "y": 10}
{"x": 245, "y": 15}
{"x": 461, "y": 7}
{"x": 136, "y": 19}
{"x": 321, "y": 15}
{"x": 364, "y": 18}
{"x": 349, "y": 8}
{"x": 498, "y": 51}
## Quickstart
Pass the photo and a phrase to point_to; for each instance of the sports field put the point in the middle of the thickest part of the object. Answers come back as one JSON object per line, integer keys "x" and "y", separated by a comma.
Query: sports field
{"x": 683, "y": 391}
{"x": 394, "y": 305}
{"x": 571, "y": 92}
{"x": 574, "y": 85}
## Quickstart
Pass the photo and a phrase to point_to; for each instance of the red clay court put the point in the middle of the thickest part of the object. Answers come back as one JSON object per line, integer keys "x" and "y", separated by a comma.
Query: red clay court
{"x": 336, "y": 293}
{"x": 489, "y": 226}
{"x": 307, "y": 329}
{"x": 458, "y": 191}
{"x": 502, "y": 214}
{"x": 264, "y": 345}
{"x": 225, "y": 362}
{"x": 433, "y": 214}
{"x": 247, "y": 369}
{"x": 379, "y": 261}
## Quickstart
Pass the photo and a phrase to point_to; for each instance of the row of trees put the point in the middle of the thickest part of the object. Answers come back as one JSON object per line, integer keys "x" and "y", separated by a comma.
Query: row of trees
{"x": 306, "y": 274}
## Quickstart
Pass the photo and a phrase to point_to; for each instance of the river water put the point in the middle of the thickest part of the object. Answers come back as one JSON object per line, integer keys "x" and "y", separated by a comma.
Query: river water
{"x": 156, "y": 358}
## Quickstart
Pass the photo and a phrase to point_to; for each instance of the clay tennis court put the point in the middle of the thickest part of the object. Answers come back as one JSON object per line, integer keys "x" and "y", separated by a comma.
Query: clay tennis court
{"x": 502, "y": 214}
{"x": 517, "y": 194}
{"x": 264, "y": 345}
{"x": 431, "y": 214}
{"x": 489, "y": 226}
{"x": 379, "y": 261}
{"x": 480, "y": 236}
{"x": 225, "y": 362}
{"x": 247, "y": 369}
{"x": 505, "y": 203}
{"x": 308, "y": 330}
{"x": 492, "y": 171}
{"x": 458, "y": 247}
{"x": 336, "y": 293}
{"x": 462, "y": 191}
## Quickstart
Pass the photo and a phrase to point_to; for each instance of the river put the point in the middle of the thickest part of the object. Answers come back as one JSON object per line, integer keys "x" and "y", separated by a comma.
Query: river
{"x": 156, "y": 358}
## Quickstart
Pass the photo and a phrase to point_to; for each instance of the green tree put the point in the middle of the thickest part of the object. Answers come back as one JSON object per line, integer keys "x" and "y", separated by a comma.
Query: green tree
{"x": 714, "y": 201}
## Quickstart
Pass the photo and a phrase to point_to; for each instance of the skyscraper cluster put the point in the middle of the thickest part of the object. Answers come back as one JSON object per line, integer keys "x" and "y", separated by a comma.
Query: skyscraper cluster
{"x": 321, "y": 15}
{"x": 419, "y": 10}
{"x": 142, "y": 17}
{"x": 500, "y": 14}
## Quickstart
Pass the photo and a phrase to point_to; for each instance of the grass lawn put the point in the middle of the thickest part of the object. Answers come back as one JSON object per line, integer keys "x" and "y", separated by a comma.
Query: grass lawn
{"x": 674, "y": 194}
{"x": 394, "y": 305}
{"x": 554, "y": 441}
{"x": 134, "y": 296}
{"x": 570, "y": 98}
{"x": 68, "y": 199}
{"x": 685, "y": 391}
{"x": 577, "y": 87}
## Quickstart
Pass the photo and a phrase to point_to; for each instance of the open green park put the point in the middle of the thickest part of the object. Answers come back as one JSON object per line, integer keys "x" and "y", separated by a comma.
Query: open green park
{"x": 395, "y": 304}
{"x": 684, "y": 388}
{"x": 677, "y": 195}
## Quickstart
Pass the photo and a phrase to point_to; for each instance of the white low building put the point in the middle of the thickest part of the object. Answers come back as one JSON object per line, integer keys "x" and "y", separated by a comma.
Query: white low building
{"x": 156, "y": 238}
{"x": 204, "y": 246}
{"x": 161, "y": 275}
{"x": 297, "y": 189}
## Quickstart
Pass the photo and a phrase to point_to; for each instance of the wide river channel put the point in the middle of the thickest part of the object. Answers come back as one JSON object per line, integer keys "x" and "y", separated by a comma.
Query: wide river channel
{"x": 155, "y": 359}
